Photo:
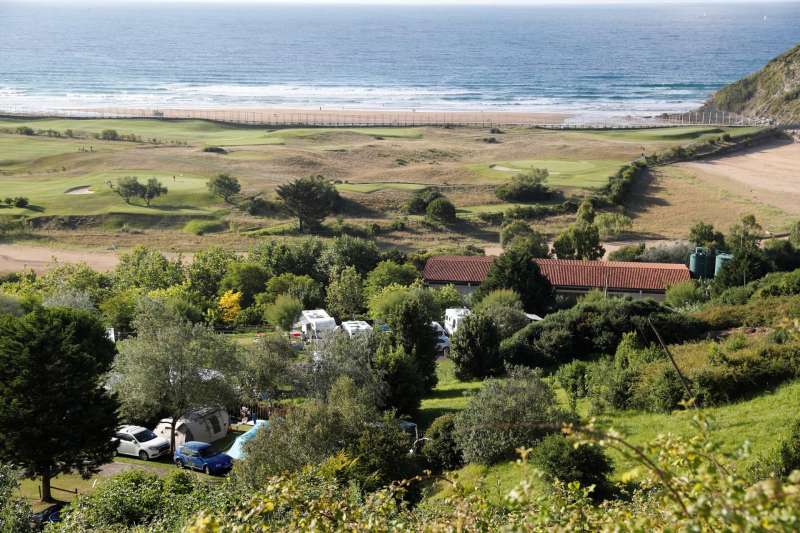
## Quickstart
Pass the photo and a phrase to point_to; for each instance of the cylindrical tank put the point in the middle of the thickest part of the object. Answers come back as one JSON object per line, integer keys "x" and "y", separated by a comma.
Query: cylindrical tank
{"x": 698, "y": 263}
{"x": 720, "y": 262}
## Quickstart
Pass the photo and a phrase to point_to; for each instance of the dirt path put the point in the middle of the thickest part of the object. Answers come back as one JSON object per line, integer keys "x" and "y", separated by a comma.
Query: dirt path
{"x": 19, "y": 257}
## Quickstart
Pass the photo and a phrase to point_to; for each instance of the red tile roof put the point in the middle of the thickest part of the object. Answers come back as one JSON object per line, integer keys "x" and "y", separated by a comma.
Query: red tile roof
{"x": 651, "y": 277}
{"x": 457, "y": 268}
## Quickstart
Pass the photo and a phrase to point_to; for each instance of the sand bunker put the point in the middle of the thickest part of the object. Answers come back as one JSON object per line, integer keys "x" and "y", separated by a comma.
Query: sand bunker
{"x": 505, "y": 169}
{"x": 83, "y": 189}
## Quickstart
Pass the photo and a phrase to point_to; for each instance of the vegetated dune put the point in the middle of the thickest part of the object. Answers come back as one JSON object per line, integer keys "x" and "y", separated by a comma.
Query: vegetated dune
{"x": 773, "y": 91}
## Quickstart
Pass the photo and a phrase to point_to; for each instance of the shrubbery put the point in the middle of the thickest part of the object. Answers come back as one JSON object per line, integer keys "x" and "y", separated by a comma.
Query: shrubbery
{"x": 507, "y": 414}
{"x": 561, "y": 459}
{"x": 475, "y": 348}
{"x": 594, "y": 327}
{"x": 528, "y": 186}
{"x": 442, "y": 452}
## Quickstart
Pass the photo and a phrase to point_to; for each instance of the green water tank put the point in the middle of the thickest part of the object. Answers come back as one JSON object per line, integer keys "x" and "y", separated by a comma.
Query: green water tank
{"x": 698, "y": 263}
{"x": 720, "y": 262}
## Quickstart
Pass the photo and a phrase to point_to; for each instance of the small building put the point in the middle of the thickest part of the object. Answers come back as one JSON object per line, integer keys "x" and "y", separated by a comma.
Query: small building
{"x": 207, "y": 424}
{"x": 355, "y": 327}
{"x": 568, "y": 277}
{"x": 315, "y": 323}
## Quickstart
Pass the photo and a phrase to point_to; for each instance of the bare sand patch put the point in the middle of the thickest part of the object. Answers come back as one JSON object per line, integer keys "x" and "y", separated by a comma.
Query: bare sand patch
{"x": 83, "y": 189}
{"x": 768, "y": 175}
{"x": 22, "y": 257}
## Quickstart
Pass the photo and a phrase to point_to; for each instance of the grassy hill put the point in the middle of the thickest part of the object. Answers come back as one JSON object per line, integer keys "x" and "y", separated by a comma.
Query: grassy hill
{"x": 773, "y": 91}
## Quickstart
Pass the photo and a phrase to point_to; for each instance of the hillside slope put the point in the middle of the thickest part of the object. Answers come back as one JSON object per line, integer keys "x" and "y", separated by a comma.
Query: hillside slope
{"x": 772, "y": 92}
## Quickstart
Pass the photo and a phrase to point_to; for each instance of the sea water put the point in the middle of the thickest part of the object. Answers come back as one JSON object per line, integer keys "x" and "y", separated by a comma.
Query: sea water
{"x": 632, "y": 58}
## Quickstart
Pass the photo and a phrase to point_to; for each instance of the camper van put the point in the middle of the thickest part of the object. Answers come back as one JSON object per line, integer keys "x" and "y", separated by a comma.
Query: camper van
{"x": 315, "y": 323}
{"x": 355, "y": 327}
{"x": 453, "y": 318}
{"x": 207, "y": 424}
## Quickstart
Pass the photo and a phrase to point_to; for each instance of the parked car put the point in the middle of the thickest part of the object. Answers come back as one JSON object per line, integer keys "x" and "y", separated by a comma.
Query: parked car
{"x": 140, "y": 442}
{"x": 442, "y": 345}
{"x": 50, "y": 515}
{"x": 200, "y": 456}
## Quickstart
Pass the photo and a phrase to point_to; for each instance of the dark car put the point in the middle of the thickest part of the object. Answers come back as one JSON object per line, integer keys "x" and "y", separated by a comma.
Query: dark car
{"x": 51, "y": 515}
{"x": 200, "y": 456}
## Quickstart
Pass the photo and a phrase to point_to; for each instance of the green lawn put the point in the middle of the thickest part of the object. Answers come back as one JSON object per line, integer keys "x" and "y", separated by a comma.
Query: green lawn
{"x": 188, "y": 194}
{"x": 16, "y": 150}
{"x": 199, "y": 131}
{"x": 449, "y": 396}
{"x": 578, "y": 174}
{"x": 191, "y": 131}
{"x": 370, "y": 187}
{"x": 399, "y": 133}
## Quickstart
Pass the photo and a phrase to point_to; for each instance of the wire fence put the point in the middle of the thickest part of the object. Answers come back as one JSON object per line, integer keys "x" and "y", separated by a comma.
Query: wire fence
{"x": 292, "y": 118}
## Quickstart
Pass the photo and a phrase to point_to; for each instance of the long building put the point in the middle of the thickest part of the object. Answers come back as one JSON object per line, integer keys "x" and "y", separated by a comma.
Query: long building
{"x": 568, "y": 277}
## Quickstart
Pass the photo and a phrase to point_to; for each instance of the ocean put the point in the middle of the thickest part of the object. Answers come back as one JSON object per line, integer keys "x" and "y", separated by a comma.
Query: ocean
{"x": 626, "y": 58}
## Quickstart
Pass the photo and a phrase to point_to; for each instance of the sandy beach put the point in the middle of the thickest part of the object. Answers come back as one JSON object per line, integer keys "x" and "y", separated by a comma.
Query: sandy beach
{"x": 343, "y": 117}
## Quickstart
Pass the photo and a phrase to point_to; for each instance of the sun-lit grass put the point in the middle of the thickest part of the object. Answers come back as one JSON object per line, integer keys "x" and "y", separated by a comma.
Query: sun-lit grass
{"x": 577, "y": 174}
{"x": 375, "y": 186}
{"x": 191, "y": 131}
{"x": 188, "y": 194}
{"x": 449, "y": 396}
{"x": 400, "y": 133}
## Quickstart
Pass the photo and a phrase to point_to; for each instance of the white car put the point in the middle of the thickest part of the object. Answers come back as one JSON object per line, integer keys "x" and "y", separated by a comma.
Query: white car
{"x": 140, "y": 442}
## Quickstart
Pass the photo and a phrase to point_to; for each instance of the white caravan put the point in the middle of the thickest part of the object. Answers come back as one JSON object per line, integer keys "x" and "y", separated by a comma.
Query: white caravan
{"x": 315, "y": 323}
{"x": 453, "y": 318}
{"x": 355, "y": 327}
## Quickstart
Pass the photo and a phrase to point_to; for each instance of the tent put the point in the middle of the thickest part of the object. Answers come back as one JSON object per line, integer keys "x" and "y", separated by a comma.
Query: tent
{"x": 207, "y": 424}
{"x": 236, "y": 451}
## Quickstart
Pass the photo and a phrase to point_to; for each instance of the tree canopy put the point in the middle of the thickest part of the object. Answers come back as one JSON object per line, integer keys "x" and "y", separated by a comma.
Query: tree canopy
{"x": 55, "y": 414}
{"x": 310, "y": 199}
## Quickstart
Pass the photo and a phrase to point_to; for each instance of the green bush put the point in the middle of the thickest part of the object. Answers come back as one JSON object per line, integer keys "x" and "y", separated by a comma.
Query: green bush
{"x": 507, "y": 414}
{"x": 419, "y": 201}
{"x": 441, "y": 210}
{"x": 574, "y": 379}
{"x": 528, "y": 186}
{"x": 203, "y": 227}
{"x": 595, "y": 326}
{"x": 475, "y": 348}
{"x": 559, "y": 459}
{"x": 442, "y": 452}
{"x": 283, "y": 312}
{"x": 685, "y": 294}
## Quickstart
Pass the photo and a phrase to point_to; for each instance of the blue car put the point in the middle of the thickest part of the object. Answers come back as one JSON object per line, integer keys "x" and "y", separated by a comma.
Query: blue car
{"x": 200, "y": 456}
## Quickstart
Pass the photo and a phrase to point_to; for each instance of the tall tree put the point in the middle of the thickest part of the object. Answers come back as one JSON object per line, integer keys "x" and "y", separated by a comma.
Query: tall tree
{"x": 345, "y": 294}
{"x": 173, "y": 366}
{"x": 224, "y": 186}
{"x": 152, "y": 190}
{"x": 516, "y": 270}
{"x": 310, "y": 199}
{"x": 56, "y": 416}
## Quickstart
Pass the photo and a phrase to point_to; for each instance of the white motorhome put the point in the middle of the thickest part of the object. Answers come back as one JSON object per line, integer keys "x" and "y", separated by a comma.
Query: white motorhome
{"x": 315, "y": 323}
{"x": 453, "y": 318}
{"x": 207, "y": 424}
{"x": 355, "y": 327}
